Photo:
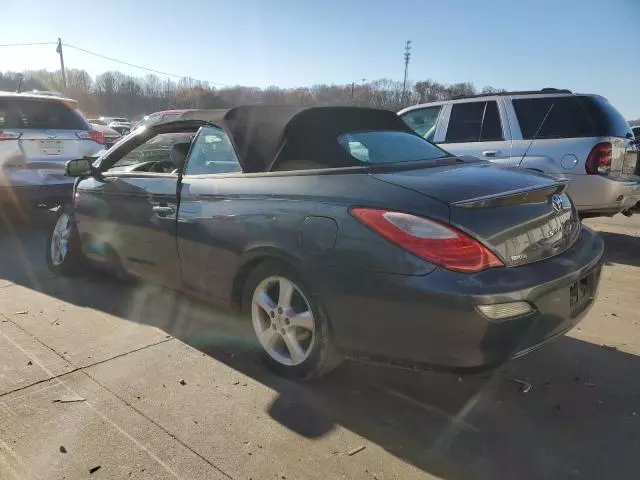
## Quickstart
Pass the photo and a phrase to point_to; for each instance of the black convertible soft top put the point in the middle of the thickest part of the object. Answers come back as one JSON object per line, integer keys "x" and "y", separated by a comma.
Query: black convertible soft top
{"x": 270, "y": 138}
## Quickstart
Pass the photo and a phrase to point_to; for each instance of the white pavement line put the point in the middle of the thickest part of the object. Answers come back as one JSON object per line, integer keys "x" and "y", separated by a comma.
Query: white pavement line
{"x": 34, "y": 391}
{"x": 444, "y": 440}
{"x": 61, "y": 356}
{"x": 101, "y": 415}
{"x": 5, "y": 467}
{"x": 27, "y": 354}
{"x": 8, "y": 448}
{"x": 159, "y": 426}
{"x": 432, "y": 409}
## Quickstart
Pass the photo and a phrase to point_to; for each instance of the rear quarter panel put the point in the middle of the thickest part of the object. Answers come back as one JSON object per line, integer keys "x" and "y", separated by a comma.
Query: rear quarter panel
{"x": 227, "y": 222}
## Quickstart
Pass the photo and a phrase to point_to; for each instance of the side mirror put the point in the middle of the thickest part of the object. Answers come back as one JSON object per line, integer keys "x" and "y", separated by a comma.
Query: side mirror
{"x": 78, "y": 168}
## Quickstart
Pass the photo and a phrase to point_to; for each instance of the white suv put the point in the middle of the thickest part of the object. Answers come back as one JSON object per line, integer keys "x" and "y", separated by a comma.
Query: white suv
{"x": 582, "y": 138}
{"x": 38, "y": 135}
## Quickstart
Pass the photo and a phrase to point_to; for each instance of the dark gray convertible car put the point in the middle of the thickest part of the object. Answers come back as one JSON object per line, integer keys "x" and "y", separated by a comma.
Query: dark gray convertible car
{"x": 339, "y": 232}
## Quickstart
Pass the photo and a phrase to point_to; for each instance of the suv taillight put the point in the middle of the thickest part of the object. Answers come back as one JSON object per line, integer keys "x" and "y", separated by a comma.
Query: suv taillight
{"x": 599, "y": 160}
{"x": 433, "y": 241}
{"x": 9, "y": 135}
{"x": 92, "y": 134}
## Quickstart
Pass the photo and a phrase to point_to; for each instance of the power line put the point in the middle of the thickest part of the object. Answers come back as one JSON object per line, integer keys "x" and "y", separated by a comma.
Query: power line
{"x": 138, "y": 66}
{"x": 26, "y": 44}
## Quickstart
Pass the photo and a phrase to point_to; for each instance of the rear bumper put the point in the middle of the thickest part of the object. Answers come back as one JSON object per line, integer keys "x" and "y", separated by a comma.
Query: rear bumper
{"x": 604, "y": 194}
{"x": 433, "y": 320}
{"x": 34, "y": 195}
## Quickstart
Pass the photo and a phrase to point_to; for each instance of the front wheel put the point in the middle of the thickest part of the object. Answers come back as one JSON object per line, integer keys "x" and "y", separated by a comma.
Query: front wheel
{"x": 63, "y": 245}
{"x": 289, "y": 323}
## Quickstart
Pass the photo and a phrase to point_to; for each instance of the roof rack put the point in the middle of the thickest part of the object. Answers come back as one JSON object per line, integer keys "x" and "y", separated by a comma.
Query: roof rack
{"x": 515, "y": 92}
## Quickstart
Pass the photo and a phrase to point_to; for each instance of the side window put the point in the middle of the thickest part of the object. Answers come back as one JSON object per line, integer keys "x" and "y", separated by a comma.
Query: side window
{"x": 211, "y": 152}
{"x": 491, "y": 126}
{"x": 474, "y": 122}
{"x": 423, "y": 121}
{"x": 154, "y": 155}
{"x": 565, "y": 118}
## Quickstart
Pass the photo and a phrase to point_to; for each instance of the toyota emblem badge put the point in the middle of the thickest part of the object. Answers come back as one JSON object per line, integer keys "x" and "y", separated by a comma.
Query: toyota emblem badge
{"x": 557, "y": 203}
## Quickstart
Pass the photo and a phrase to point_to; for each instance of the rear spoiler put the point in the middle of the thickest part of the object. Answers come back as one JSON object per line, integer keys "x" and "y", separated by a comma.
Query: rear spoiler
{"x": 535, "y": 194}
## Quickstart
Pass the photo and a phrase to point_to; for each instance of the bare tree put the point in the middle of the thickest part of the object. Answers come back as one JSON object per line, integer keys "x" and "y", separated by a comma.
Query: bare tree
{"x": 114, "y": 93}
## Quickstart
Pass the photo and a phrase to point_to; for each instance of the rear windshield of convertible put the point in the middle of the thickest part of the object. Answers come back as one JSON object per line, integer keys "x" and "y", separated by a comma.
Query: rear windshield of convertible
{"x": 389, "y": 147}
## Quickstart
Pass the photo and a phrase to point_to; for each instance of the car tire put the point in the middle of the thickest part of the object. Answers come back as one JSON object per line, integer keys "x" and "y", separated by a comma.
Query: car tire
{"x": 294, "y": 334}
{"x": 64, "y": 255}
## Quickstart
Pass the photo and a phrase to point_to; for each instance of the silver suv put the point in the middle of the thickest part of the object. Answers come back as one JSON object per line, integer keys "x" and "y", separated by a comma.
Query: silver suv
{"x": 582, "y": 138}
{"x": 38, "y": 135}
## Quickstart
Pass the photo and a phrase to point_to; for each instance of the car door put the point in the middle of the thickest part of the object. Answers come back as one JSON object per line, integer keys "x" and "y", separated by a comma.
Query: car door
{"x": 475, "y": 128}
{"x": 126, "y": 216}
{"x": 209, "y": 220}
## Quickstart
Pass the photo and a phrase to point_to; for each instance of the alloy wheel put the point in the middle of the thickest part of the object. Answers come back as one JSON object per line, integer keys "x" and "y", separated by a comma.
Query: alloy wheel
{"x": 283, "y": 320}
{"x": 60, "y": 239}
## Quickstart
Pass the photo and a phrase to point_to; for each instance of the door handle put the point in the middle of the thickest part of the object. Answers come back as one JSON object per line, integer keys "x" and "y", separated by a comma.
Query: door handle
{"x": 160, "y": 210}
{"x": 490, "y": 153}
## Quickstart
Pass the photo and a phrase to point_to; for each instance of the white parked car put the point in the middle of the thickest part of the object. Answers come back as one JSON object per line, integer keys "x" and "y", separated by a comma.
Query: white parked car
{"x": 578, "y": 137}
{"x": 39, "y": 134}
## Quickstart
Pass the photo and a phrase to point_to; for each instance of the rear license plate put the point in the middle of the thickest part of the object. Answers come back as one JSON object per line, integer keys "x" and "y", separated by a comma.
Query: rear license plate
{"x": 581, "y": 292}
{"x": 50, "y": 147}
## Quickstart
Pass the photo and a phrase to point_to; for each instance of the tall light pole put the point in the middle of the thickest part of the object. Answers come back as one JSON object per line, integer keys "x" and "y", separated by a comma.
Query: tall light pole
{"x": 407, "y": 57}
{"x": 353, "y": 86}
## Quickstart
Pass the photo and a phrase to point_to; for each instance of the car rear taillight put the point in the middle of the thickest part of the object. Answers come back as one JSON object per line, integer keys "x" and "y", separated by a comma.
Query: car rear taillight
{"x": 433, "y": 241}
{"x": 9, "y": 135}
{"x": 599, "y": 160}
{"x": 92, "y": 134}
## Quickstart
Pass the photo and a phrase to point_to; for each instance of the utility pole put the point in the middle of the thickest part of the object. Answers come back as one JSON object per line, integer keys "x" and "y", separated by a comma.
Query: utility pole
{"x": 407, "y": 57}
{"x": 353, "y": 86}
{"x": 59, "y": 51}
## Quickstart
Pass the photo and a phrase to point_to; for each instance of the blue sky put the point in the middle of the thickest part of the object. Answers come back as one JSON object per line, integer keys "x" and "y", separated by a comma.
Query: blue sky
{"x": 584, "y": 45}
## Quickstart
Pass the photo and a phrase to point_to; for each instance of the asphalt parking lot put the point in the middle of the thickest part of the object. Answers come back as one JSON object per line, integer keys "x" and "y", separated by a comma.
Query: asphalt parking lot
{"x": 104, "y": 380}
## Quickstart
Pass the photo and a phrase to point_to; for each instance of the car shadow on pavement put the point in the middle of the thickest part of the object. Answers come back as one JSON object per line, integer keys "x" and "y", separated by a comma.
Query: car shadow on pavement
{"x": 579, "y": 419}
{"x": 621, "y": 248}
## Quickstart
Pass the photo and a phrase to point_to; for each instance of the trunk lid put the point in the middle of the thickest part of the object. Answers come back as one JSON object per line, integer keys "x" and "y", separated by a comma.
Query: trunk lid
{"x": 523, "y": 217}
{"x": 51, "y": 145}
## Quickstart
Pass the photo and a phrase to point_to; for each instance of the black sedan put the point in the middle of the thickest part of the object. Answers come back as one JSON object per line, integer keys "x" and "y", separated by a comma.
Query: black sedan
{"x": 340, "y": 233}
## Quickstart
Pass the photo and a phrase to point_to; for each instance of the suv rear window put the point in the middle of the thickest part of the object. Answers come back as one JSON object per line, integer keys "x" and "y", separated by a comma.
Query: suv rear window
{"x": 24, "y": 113}
{"x": 552, "y": 117}
{"x": 574, "y": 116}
{"x": 609, "y": 122}
{"x": 389, "y": 147}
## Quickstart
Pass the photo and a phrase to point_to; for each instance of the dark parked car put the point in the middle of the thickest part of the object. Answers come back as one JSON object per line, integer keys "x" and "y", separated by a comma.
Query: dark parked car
{"x": 340, "y": 232}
